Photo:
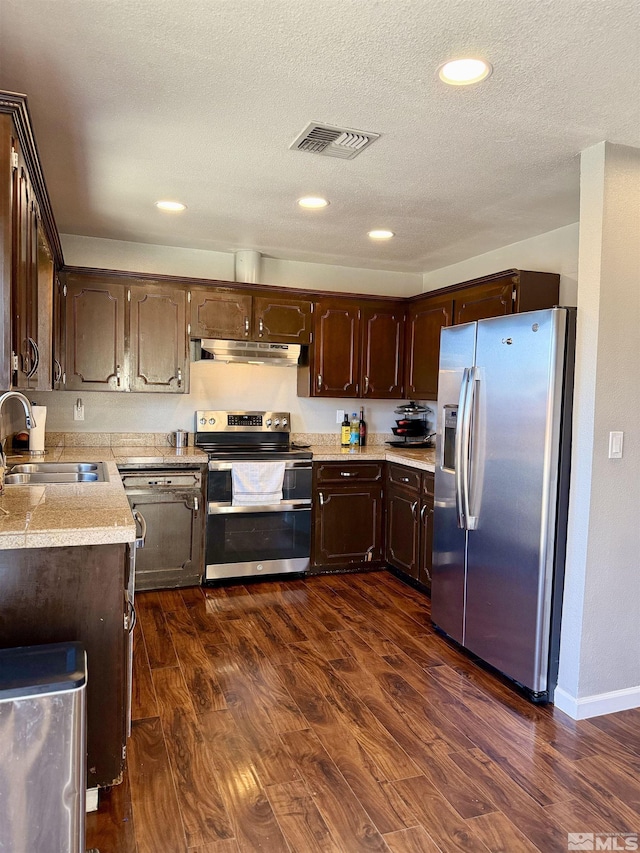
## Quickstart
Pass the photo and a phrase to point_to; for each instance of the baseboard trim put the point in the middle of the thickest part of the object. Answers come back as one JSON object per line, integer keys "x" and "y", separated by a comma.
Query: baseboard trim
{"x": 598, "y": 704}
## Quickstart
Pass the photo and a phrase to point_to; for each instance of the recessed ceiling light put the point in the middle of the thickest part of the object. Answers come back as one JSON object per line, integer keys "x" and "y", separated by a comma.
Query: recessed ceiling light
{"x": 381, "y": 234}
{"x": 175, "y": 206}
{"x": 464, "y": 72}
{"x": 312, "y": 202}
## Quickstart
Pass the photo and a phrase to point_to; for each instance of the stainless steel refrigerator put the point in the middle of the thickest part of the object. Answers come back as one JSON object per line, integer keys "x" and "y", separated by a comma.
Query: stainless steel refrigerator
{"x": 501, "y": 490}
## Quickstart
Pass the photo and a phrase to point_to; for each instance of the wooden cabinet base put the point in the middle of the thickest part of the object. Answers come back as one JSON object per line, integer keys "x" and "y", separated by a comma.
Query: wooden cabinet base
{"x": 53, "y": 595}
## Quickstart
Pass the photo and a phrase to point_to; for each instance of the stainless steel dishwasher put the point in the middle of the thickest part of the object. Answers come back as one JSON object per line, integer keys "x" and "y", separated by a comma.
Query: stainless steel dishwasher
{"x": 172, "y": 503}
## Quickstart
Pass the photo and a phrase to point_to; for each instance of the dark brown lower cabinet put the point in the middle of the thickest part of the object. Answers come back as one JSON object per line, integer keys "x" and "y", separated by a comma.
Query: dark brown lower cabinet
{"x": 54, "y": 595}
{"x": 409, "y": 517}
{"x": 347, "y": 515}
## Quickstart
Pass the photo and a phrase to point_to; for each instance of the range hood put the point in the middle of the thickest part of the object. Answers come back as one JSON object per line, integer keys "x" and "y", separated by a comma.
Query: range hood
{"x": 251, "y": 352}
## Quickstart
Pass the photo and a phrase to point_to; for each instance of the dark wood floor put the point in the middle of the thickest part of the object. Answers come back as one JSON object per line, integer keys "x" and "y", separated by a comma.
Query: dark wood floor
{"x": 325, "y": 715}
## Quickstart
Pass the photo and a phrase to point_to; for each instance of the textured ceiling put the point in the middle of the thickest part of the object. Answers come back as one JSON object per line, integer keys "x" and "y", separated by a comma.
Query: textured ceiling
{"x": 198, "y": 100}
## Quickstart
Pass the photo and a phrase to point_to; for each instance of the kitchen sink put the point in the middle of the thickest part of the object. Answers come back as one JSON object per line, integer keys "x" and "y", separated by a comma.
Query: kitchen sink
{"x": 55, "y": 472}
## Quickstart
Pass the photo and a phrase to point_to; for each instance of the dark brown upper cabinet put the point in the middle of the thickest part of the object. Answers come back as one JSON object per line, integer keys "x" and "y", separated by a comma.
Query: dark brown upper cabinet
{"x": 238, "y": 315}
{"x": 95, "y": 335}
{"x": 356, "y": 352}
{"x": 333, "y": 365}
{"x": 30, "y": 253}
{"x": 282, "y": 319}
{"x": 382, "y": 351}
{"x": 125, "y": 336}
{"x": 425, "y": 319}
{"x": 507, "y": 292}
{"x": 219, "y": 313}
{"x": 494, "y": 299}
{"x": 32, "y": 273}
{"x": 158, "y": 340}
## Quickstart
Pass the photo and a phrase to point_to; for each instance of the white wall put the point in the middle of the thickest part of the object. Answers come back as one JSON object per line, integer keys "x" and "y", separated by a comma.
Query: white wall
{"x": 600, "y": 655}
{"x": 213, "y": 386}
{"x": 555, "y": 251}
{"x": 197, "y": 263}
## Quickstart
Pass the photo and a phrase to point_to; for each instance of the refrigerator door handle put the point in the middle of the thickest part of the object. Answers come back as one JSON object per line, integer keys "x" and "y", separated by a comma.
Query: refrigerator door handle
{"x": 458, "y": 449}
{"x": 471, "y": 521}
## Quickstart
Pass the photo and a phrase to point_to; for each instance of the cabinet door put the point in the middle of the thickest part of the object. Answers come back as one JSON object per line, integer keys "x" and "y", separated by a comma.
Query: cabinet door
{"x": 425, "y": 319}
{"x": 402, "y": 529}
{"x": 59, "y": 335}
{"x": 42, "y": 379}
{"x": 426, "y": 532}
{"x": 52, "y": 595}
{"x": 348, "y": 525}
{"x": 95, "y": 316}
{"x": 382, "y": 351}
{"x": 24, "y": 279}
{"x": 484, "y": 300}
{"x": 223, "y": 314}
{"x": 158, "y": 340}
{"x": 282, "y": 320}
{"x": 335, "y": 353}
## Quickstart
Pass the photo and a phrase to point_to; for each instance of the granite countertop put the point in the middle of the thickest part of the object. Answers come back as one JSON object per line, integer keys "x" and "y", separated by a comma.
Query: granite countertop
{"x": 56, "y": 515}
{"x": 423, "y": 458}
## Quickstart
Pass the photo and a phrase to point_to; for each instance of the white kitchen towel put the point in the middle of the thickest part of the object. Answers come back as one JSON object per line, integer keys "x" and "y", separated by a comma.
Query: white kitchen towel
{"x": 256, "y": 483}
{"x": 36, "y": 433}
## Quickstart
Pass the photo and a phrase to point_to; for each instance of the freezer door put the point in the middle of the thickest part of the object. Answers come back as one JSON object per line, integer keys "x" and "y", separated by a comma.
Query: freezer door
{"x": 457, "y": 350}
{"x": 513, "y": 476}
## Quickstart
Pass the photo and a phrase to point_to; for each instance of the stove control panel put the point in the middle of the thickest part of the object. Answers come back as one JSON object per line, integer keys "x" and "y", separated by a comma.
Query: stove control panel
{"x": 208, "y": 421}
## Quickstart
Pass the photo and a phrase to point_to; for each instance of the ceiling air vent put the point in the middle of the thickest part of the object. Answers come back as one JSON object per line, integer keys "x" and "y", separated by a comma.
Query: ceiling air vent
{"x": 342, "y": 142}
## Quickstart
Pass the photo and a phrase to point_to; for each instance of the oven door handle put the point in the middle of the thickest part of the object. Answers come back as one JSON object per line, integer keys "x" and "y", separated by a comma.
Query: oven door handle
{"x": 226, "y": 466}
{"x": 299, "y": 506}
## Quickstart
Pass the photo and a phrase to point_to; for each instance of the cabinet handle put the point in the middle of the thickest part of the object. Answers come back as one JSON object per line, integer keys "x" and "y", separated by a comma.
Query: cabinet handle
{"x": 348, "y": 474}
{"x": 246, "y": 325}
{"x": 404, "y": 479}
{"x": 132, "y": 618}
{"x": 57, "y": 375}
{"x": 414, "y": 506}
{"x": 321, "y": 498}
{"x": 422, "y": 513}
{"x": 369, "y": 554}
{"x": 319, "y": 382}
{"x": 179, "y": 377}
{"x": 118, "y": 375}
{"x": 196, "y": 504}
{"x": 260, "y": 327}
{"x": 36, "y": 357}
{"x": 366, "y": 385}
{"x": 138, "y": 516}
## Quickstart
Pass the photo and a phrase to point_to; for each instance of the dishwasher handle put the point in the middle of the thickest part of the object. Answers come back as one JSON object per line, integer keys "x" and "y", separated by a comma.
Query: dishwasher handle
{"x": 139, "y": 518}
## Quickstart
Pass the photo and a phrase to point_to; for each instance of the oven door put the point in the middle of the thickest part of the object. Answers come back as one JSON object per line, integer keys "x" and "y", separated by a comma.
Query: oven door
{"x": 248, "y": 541}
{"x": 252, "y": 541}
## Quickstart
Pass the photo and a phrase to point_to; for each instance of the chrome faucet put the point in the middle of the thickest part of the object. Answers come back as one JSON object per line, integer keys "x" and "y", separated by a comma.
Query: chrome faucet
{"x": 30, "y": 422}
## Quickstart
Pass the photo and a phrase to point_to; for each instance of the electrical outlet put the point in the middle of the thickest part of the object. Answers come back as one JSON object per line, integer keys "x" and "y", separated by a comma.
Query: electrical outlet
{"x": 339, "y": 416}
{"x": 78, "y": 410}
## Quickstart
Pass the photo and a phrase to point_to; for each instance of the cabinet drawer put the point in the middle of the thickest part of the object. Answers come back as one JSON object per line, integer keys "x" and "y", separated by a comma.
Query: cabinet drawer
{"x": 348, "y": 472}
{"x": 400, "y": 475}
{"x": 427, "y": 483}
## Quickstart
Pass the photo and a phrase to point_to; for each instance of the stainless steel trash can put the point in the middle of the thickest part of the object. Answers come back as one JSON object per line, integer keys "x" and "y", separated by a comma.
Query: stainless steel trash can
{"x": 43, "y": 748}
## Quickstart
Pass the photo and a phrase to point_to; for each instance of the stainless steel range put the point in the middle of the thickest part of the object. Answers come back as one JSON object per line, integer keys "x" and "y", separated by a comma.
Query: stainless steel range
{"x": 258, "y": 495}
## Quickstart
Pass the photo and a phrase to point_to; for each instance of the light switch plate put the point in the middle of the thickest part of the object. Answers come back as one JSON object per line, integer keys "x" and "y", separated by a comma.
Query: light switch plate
{"x": 615, "y": 445}
{"x": 339, "y": 416}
